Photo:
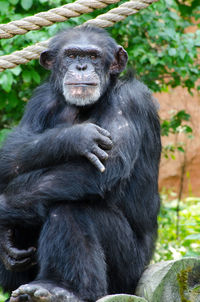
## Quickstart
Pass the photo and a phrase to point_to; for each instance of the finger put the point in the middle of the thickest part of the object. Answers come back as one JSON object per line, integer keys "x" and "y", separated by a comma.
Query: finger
{"x": 96, "y": 162}
{"x": 19, "y": 254}
{"x": 23, "y": 265}
{"x": 19, "y": 266}
{"x": 20, "y": 290}
{"x": 42, "y": 292}
{"x": 104, "y": 142}
{"x": 27, "y": 288}
{"x": 101, "y": 154}
{"x": 103, "y": 131}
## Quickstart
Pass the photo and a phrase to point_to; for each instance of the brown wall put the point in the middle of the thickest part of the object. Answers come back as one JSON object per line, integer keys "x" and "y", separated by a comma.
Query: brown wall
{"x": 171, "y": 170}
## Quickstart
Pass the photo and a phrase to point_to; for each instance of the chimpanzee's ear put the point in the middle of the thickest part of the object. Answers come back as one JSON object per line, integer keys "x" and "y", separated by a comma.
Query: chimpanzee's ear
{"x": 120, "y": 61}
{"x": 47, "y": 58}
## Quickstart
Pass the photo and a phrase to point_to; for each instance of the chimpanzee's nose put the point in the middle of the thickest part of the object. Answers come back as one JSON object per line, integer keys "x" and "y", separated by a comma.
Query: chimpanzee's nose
{"x": 81, "y": 67}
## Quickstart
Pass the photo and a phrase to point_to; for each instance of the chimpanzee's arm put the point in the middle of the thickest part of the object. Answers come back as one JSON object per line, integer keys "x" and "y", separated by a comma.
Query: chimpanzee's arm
{"x": 71, "y": 181}
{"x": 26, "y": 151}
{"x": 42, "y": 139}
{"x": 25, "y": 147}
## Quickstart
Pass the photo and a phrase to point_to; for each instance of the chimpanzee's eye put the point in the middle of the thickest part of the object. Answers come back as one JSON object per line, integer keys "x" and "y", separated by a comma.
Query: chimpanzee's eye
{"x": 71, "y": 56}
{"x": 93, "y": 57}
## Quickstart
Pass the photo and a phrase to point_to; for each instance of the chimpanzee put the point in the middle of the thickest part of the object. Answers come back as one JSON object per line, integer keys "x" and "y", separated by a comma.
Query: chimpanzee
{"x": 78, "y": 177}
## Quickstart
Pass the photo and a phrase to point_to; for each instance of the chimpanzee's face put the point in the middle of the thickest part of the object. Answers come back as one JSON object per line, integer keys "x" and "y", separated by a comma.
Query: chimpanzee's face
{"x": 82, "y": 61}
{"x": 82, "y": 81}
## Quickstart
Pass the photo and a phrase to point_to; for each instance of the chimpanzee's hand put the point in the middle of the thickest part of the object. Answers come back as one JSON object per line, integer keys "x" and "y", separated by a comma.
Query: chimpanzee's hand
{"x": 93, "y": 140}
{"x": 13, "y": 258}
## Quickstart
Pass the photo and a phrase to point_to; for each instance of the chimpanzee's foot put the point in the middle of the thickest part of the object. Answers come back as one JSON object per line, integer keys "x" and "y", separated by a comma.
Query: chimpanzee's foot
{"x": 42, "y": 292}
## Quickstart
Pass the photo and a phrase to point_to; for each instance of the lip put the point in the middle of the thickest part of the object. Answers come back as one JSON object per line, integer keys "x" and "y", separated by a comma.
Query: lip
{"x": 81, "y": 84}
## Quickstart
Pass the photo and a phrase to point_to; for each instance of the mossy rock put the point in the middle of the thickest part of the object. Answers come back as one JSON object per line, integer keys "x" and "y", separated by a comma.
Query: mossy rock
{"x": 122, "y": 298}
{"x": 171, "y": 281}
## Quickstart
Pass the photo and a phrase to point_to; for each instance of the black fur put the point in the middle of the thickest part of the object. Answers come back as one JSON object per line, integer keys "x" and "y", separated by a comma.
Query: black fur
{"x": 96, "y": 230}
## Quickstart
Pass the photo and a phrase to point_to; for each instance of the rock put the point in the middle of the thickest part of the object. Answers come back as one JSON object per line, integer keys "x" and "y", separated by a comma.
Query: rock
{"x": 121, "y": 298}
{"x": 171, "y": 281}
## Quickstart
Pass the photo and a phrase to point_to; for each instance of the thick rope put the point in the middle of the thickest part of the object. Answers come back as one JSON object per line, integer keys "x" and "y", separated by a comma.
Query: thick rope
{"x": 120, "y": 13}
{"x": 105, "y": 20}
{"x": 60, "y": 14}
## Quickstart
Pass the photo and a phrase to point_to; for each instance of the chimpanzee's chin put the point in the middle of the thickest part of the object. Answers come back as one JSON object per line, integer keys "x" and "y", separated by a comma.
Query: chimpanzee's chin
{"x": 80, "y": 102}
{"x": 81, "y": 96}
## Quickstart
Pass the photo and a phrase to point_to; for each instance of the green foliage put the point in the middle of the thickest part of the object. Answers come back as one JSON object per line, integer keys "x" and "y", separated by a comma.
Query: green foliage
{"x": 168, "y": 246}
{"x": 26, "y": 4}
{"x": 3, "y": 134}
{"x": 3, "y": 297}
{"x": 175, "y": 125}
{"x": 160, "y": 49}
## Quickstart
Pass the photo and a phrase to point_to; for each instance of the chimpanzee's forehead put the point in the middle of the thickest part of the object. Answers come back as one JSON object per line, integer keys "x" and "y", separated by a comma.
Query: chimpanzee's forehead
{"x": 82, "y": 47}
{"x": 85, "y": 40}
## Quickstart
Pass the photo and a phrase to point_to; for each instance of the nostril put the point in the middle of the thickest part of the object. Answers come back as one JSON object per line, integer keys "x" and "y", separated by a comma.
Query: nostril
{"x": 78, "y": 67}
{"x": 84, "y": 67}
{"x": 81, "y": 67}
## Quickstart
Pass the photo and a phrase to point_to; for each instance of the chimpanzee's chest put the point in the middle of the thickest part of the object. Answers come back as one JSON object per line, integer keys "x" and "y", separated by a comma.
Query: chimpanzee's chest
{"x": 71, "y": 115}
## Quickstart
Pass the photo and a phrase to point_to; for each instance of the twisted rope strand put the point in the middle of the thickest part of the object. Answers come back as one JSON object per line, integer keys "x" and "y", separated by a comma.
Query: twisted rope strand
{"x": 120, "y": 13}
{"x": 105, "y": 20}
{"x": 60, "y": 14}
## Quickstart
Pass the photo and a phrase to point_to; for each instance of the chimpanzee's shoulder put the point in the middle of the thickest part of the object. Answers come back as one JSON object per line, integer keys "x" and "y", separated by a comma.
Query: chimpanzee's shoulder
{"x": 135, "y": 95}
{"x": 42, "y": 104}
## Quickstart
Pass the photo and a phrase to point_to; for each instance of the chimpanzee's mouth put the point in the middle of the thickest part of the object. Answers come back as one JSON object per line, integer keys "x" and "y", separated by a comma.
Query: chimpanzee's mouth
{"x": 81, "y": 84}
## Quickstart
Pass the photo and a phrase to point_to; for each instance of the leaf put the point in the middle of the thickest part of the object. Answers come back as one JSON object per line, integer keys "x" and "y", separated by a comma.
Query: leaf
{"x": 26, "y": 75}
{"x": 13, "y": 100}
{"x": 35, "y": 76}
{"x": 182, "y": 54}
{"x": 193, "y": 237}
{"x": 182, "y": 115}
{"x": 187, "y": 129}
{"x": 181, "y": 149}
{"x": 26, "y": 4}
{"x": 152, "y": 60}
{"x": 172, "y": 52}
{"x": 194, "y": 70}
{"x": 6, "y": 81}
{"x": 4, "y": 7}
{"x": 16, "y": 71}
{"x": 14, "y": 2}
{"x": 3, "y": 134}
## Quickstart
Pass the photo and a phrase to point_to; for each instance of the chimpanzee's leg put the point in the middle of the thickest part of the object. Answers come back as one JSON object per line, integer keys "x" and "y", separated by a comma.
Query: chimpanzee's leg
{"x": 73, "y": 244}
{"x": 126, "y": 254}
{"x": 70, "y": 257}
